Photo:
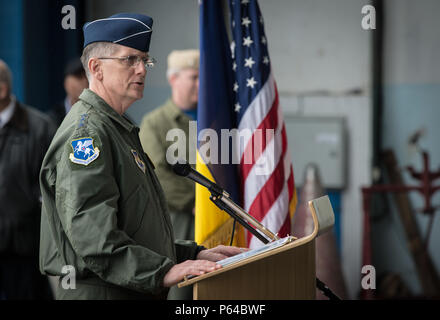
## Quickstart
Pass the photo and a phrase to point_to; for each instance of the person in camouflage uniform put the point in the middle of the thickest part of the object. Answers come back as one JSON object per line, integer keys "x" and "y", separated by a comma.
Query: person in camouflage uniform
{"x": 176, "y": 113}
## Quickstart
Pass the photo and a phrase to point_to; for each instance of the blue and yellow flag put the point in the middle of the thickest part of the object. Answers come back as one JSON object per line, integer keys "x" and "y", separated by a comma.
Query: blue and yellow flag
{"x": 215, "y": 112}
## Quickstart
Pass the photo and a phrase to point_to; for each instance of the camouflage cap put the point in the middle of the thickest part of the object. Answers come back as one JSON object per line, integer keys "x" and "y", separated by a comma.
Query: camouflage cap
{"x": 181, "y": 59}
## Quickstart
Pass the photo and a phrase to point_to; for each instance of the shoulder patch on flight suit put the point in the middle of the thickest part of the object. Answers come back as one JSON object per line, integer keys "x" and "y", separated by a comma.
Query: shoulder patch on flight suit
{"x": 83, "y": 120}
{"x": 83, "y": 151}
{"x": 138, "y": 160}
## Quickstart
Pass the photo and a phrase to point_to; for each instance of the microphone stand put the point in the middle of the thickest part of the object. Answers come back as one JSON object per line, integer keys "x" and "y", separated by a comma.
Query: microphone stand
{"x": 221, "y": 199}
{"x": 218, "y": 200}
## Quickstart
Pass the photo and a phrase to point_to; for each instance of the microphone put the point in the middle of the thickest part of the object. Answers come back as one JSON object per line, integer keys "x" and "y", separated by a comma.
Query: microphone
{"x": 185, "y": 170}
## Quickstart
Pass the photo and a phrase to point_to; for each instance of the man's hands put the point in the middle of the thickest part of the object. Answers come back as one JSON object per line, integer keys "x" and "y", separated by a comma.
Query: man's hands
{"x": 205, "y": 263}
{"x": 219, "y": 253}
{"x": 189, "y": 267}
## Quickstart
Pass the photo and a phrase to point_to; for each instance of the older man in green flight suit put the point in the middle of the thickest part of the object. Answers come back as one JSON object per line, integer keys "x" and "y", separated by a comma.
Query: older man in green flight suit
{"x": 176, "y": 113}
{"x": 104, "y": 213}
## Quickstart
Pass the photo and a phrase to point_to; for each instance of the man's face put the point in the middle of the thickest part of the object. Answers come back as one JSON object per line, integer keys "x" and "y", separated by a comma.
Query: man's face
{"x": 123, "y": 82}
{"x": 3, "y": 91}
{"x": 74, "y": 86}
{"x": 185, "y": 85}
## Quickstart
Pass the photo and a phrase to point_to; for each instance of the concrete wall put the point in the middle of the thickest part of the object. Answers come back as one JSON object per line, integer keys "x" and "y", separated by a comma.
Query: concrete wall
{"x": 11, "y": 33}
{"x": 412, "y": 101}
{"x": 320, "y": 56}
{"x": 317, "y": 45}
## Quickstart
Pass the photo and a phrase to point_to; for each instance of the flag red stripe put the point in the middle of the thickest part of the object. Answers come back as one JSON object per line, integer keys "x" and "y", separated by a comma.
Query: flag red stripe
{"x": 291, "y": 183}
{"x": 271, "y": 189}
{"x": 269, "y": 122}
{"x": 285, "y": 228}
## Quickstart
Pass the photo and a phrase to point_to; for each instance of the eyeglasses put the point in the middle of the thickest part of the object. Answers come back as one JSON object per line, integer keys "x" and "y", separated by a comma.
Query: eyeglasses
{"x": 133, "y": 61}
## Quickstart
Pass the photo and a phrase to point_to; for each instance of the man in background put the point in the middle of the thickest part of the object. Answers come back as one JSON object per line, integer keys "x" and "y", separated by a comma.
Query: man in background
{"x": 177, "y": 112}
{"x": 25, "y": 135}
{"x": 75, "y": 81}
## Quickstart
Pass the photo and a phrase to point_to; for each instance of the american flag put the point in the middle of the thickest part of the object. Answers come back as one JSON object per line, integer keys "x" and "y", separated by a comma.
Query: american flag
{"x": 269, "y": 196}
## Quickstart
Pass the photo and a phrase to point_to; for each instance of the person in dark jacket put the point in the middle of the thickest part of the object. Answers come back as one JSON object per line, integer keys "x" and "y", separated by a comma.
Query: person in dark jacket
{"x": 75, "y": 81}
{"x": 25, "y": 135}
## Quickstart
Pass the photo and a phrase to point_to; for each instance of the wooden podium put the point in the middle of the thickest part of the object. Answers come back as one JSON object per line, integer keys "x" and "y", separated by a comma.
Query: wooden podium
{"x": 283, "y": 273}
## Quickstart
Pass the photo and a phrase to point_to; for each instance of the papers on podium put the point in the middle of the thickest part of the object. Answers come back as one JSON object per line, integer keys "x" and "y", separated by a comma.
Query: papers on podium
{"x": 251, "y": 253}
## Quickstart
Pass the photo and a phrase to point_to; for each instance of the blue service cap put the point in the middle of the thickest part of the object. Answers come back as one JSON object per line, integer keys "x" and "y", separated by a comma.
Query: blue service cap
{"x": 127, "y": 29}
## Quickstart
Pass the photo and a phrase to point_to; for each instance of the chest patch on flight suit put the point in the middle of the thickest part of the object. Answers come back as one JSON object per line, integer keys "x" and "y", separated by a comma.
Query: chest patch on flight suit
{"x": 83, "y": 151}
{"x": 138, "y": 160}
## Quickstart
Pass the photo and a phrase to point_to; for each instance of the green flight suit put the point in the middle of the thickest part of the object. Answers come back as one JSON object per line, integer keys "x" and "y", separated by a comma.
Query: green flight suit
{"x": 179, "y": 191}
{"x": 108, "y": 219}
